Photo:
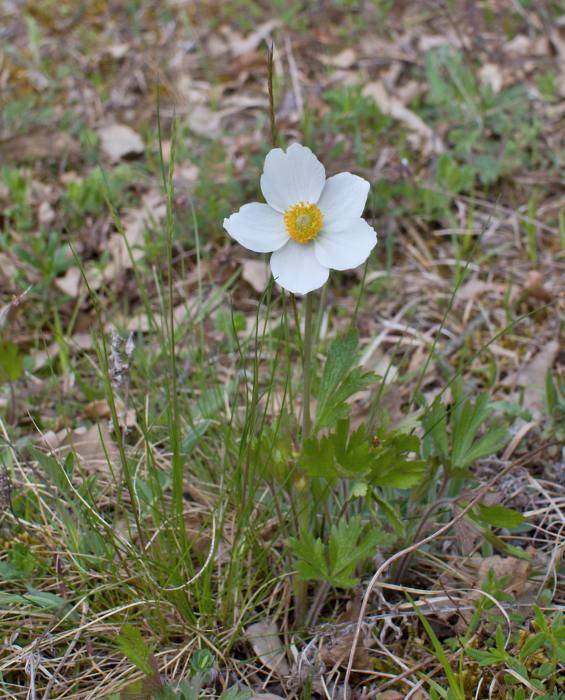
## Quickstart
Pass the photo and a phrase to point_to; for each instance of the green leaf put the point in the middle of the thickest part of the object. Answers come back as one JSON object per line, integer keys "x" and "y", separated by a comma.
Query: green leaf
{"x": 503, "y": 546}
{"x": 133, "y": 646}
{"x": 9, "y": 572}
{"x": 485, "y": 658}
{"x": 40, "y": 599}
{"x": 341, "y": 356}
{"x": 347, "y": 549}
{"x": 557, "y": 623}
{"x": 391, "y": 516}
{"x": 466, "y": 420}
{"x": 532, "y": 644}
{"x": 340, "y": 380}
{"x": 434, "y": 422}
{"x": 499, "y": 516}
{"x": 551, "y": 396}
{"x": 309, "y": 556}
{"x": 454, "y": 685}
{"x": 193, "y": 435}
{"x": 44, "y": 599}
{"x": 54, "y": 470}
{"x": 500, "y": 641}
{"x": 544, "y": 671}
{"x": 391, "y": 464}
{"x": 202, "y": 660}
{"x": 318, "y": 458}
{"x": 489, "y": 444}
{"x": 11, "y": 362}
{"x": 540, "y": 619}
{"x": 338, "y": 454}
{"x": 359, "y": 489}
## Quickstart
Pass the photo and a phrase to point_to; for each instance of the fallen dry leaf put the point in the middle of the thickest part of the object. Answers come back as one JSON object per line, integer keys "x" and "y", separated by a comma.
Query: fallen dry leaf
{"x": 120, "y": 140}
{"x": 70, "y": 283}
{"x": 256, "y": 273}
{"x": 535, "y": 287}
{"x": 204, "y": 121}
{"x": 38, "y": 146}
{"x": 92, "y": 446}
{"x": 336, "y": 651}
{"x": 76, "y": 343}
{"x": 344, "y": 59}
{"x": 532, "y": 377}
{"x": 265, "y": 640}
{"x": 476, "y": 288}
{"x": 134, "y": 221}
{"x": 252, "y": 41}
{"x": 45, "y": 213}
{"x": 490, "y": 74}
{"x": 467, "y": 534}
{"x": 392, "y": 106}
{"x": 336, "y": 646}
{"x": 517, "y": 569}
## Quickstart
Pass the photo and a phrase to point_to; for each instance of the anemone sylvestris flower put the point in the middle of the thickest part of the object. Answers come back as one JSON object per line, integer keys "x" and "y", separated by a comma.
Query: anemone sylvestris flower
{"x": 310, "y": 224}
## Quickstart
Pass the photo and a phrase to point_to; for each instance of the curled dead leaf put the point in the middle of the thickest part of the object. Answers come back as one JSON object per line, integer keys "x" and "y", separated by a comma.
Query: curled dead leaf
{"x": 256, "y": 273}
{"x": 265, "y": 640}
{"x": 252, "y": 41}
{"x": 517, "y": 569}
{"x": 151, "y": 210}
{"x": 344, "y": 59}
{"x": 119, "y": 140}
{"x": 70, "y": 283}
{"x": 93, "y": 447}
{"x": 421, "y": 132}
{"x": 532, "y": 376}
{"x": 535, "y": 287}
{"x": 39, "y": 146}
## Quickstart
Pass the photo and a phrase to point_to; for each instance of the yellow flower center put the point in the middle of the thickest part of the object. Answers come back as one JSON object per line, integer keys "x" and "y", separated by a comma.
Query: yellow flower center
{"x": 303, "y": 222}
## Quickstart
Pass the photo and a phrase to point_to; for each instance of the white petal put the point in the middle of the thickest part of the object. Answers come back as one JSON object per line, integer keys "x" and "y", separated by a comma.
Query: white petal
{"x": 345, "y": 245}
{"x": 292, "y": 177}
{"x": 344, "y": 197}
{"x": 257, "y": 227}
{"x": 296, "y": 268}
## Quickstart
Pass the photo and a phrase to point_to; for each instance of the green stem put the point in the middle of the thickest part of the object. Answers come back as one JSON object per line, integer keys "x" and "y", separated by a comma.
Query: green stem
{"x": 303, "y": 496}
{"x": 307, "y": 363}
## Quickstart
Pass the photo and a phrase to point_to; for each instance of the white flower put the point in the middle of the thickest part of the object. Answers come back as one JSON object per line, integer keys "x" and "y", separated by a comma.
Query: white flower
{"x": 310, "y": 224}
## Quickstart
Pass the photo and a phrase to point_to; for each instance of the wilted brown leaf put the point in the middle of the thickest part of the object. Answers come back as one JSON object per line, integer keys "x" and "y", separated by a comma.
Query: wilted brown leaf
{"x": 257, "y": 273}
{"x": 92, "y": 446}
{"x": 265, "y": 640}
{"x": 240, "y": 46}
{"x": 467, "y": 534}
{"x": 517, "y": 569}
{"x": 76, "y": 343}
{"x": 151, "y": 210}
{"x": 337, "y": 652}
{"x": 119, "y": 140}
{"x": 38, "y": 146}
{"x": 344, "y": 59}
{"x": 532, "y": 376}
{"x": 535, "y": 287}
{"x": 392, "y": 106}
{"x": 70, "y": 283}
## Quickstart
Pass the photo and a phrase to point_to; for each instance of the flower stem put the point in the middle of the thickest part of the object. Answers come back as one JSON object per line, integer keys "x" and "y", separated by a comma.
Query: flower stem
{"x": 307, "y": 362}
{"x": 303, "y": 495}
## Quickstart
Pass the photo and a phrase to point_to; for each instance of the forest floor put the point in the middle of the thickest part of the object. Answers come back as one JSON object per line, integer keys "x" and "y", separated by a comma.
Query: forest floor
{"x": 151, "y": 466}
